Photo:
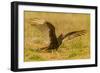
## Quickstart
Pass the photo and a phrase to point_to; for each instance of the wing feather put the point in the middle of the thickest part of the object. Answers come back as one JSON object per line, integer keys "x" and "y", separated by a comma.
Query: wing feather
{"x": 74, "y": 34}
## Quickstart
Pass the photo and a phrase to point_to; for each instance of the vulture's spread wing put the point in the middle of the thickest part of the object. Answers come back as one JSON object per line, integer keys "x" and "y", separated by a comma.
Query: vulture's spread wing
{"x": 39, "y": 23}
{"x": 52, "y": 34}
{"x": 74, "y": 34}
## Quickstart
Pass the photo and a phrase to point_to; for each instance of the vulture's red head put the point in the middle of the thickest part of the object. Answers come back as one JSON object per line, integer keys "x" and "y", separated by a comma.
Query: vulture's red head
{"x": 61, "y": 36}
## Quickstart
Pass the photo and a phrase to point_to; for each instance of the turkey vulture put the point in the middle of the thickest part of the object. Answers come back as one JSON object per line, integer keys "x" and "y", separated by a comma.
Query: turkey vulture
{"x": 55, "y": 41}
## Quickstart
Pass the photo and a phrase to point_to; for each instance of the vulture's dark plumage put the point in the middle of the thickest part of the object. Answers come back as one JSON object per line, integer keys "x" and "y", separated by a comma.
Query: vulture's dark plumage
{"x": 55, "y": 41}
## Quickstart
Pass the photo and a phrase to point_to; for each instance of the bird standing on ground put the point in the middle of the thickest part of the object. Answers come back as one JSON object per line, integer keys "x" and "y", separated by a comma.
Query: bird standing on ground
{"x": 55, "y": 41}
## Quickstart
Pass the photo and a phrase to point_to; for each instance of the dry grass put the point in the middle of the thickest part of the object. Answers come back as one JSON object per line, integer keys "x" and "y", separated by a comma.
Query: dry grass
{"x": 37, "y": 37}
